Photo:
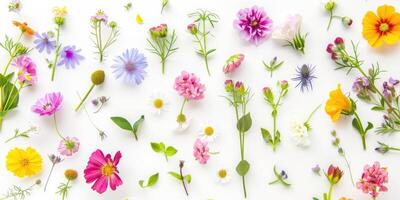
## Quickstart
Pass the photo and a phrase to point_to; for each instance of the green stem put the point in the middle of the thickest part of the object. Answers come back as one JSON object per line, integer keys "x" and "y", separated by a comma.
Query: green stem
{"x": 330, "y": 19}
{"x": 64, "y": 194}
{"x": 394, "y": 148}
{"x": 6, "y": 105}
{"x": 244, "y": 187}
{"x": 100, "y": 43}
{"x": 12, "y": 54}
{"x": 56, "y": 127}
{"x": 330, "y": 192}
{"x": 362, "y": 134}
{"x": 163, "y": 56}
{"x": 348, "y": 166}
{"x": 183, "y": 105}
{"x": 57, "y": 53}
{"x": 48, "y": 178}
{"x": 312, "y": 113}
{"x": 274, "y": 119}
{"x": 205, "y": 47}
{"x": 84, "y": 98}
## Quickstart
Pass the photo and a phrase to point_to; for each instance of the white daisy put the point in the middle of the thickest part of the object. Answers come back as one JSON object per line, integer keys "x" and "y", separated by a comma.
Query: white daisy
{"x": 300, "y": 134}
{"x": 182, "y": 124}
{"x": 223, "y": 176}
{"x": 158, "y": 103}
{"x": 208, "y": 132}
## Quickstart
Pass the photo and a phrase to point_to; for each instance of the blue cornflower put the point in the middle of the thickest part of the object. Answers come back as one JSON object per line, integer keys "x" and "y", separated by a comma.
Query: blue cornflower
{"x": 130, "y": 66}
{"x": 304, "y": 76}
{"x": 70, "y": 57}
{"x": 44, "y": 42}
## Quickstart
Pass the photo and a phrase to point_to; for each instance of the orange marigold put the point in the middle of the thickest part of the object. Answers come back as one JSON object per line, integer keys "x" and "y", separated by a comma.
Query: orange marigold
{"x": 23, "y": 26}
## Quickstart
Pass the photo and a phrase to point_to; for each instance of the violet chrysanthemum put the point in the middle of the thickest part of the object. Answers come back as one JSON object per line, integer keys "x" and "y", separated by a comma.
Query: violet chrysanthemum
{"x": 70, "y": 57}
{"x": 44, "y": 42}
{"x": 304, "y": 76}
{"x": 254, "y": 24}
{"x": 130, "y": 66}
{"x": 48, "y": 105}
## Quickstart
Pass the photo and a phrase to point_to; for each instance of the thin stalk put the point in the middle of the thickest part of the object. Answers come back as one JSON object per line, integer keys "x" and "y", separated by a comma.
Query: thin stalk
{"x": 183, "y": 181}
{"x": 84, "y": 98}
{"x": 363, "y": 132}
{"x": 64, "y": 194}
{"x": 330, "y": 192}
{"x": 56, "y": 127}
{"x": 48, "y": 177}
{"x": 183, "y": 105}
{"x": 348, "y": 166}
{"x": 12, "y": 55}
{"x": 312, "y": 113}
{"x": 205, "y": 47}
{"x": 330, "y": 19}
{"x": 100, "y": 43}
{"x": 57, "y": 53}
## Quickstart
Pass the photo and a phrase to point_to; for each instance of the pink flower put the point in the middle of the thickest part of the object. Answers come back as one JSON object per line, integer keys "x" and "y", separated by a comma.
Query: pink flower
{"x": 102, "y": 170}
{"x": 373, "y": 179}
{"x": 233, "y": 63}
{"x": 254, "y": 24}
{"x": 201, "y": 151}
{"x": 189, "y": 86}
{"x": 26, "y": 70}
{"x": 48, "y": 105}
{"x": 68, "y": 146}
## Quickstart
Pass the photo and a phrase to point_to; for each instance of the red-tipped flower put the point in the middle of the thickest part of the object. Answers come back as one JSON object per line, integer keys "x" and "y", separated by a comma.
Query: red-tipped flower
{"x": 334, "y": 174}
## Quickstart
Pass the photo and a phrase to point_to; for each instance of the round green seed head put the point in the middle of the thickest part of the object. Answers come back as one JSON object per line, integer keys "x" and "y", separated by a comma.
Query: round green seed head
{"x": 98, "y": 77}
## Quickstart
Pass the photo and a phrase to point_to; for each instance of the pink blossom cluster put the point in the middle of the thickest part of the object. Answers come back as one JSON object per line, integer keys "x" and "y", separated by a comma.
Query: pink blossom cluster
{"x": 373, "y": 179}
{"x": 188, "y": 85}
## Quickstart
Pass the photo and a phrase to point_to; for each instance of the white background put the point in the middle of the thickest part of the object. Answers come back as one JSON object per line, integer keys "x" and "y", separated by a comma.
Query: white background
{"x": 139, "y": 161}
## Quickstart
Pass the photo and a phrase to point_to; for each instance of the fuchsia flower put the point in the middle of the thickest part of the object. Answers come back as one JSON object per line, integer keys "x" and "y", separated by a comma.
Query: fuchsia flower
{"x": 188, "y": 85}
{"x": 373, "y": 179}
{"x": 233, "y": 63}
{"x": 103, "y": 171}
{"x": 201, "y": 151}
{"x": 26, "y": 70}
{"x": 48, "y": 105}
{"x": 68, "y": 146}
{"x": 254, "y": 24}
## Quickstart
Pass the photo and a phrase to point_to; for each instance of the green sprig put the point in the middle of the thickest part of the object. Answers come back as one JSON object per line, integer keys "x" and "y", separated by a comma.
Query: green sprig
{"x": 161, "y": 148}
{"x": 126, "y": 125}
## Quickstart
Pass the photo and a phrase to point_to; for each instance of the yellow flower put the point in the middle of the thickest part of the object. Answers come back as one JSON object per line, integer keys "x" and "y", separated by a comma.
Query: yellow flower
{"x": 24, "y": 162}
{"x": 382, "y": 28}
{"x": 337, "y": 104}
{"x": 344, "y": 198}
{"x": 139, "y": 19}
{"x": 60, "y": 11}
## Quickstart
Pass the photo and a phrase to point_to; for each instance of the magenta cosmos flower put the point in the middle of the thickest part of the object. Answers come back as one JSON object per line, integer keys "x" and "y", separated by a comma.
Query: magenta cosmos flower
{"x": 201, "y": 151}
{"x": 254, "y": 24}
{"x": 103, "y": 171}
{"x": 26, "y": 70}
{"x": 68, "y": 146}
{"x": 49, "y": 104}
{"x": 188, "y": 85}
{"x": 373, "y": 179}
{"x": 233, "y": 63}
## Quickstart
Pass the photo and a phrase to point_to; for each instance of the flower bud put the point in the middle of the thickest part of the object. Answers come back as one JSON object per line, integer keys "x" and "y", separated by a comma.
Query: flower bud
{"x": 347, "y": 21}
{"x": 329, "y": 48}
{"x": 38, "y": 182}
{"x": 192, "y": 28}
{"x": 163, "y": 30}
{"x": 181, "y": 118}
{"x": 59, "y": 20}
{"x": 113, "y": 24}
{"x": 330, "y": 5}
{"x": 239, "y": 87}
{"x": 98, "y": 77}
{"x": 229, "y": 86}
{"x": 339, "y": 41}
{"x": 268, "y": 93}
{"x": 283, "y": 84}
{"x": 334, "y": 174}
{"x": 70, "y": 174}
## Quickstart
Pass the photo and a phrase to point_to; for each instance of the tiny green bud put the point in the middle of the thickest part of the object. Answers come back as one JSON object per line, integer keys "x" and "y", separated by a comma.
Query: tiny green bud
{"x": 330, "y": 5}
{"x": 98, "y": 77}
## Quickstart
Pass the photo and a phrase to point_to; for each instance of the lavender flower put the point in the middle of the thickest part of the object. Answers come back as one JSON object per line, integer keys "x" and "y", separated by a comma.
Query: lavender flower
{"x": 44, "y": 42}
{"x": 130, "y": 66}
{"x": 70, "y": 57}
{"x": 362, "y": 87}
{"x": 304, "y": 76}
{"x": 389, "y": 90}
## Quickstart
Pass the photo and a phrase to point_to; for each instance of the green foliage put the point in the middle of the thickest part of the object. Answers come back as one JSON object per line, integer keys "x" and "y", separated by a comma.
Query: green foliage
{"x": 160, "y": 148}
{"x": 152, "y": 180}
{"x": 125, "y": 124}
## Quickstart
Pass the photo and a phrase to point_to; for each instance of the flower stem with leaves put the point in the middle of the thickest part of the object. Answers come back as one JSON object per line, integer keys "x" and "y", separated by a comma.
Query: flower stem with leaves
{"x": 23, "y": 134}
{"x": 336, "y": 143}
{"x": 16, "y": 192}
{"x": 273, "y": 65}
{"x": 180, "y": 176}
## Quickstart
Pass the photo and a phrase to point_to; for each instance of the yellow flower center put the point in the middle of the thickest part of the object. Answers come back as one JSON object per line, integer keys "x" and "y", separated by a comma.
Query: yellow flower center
{"x": 222, "y": 173}
{"x": 107, "y": 169}
{"x": 158, "y": 103}
{"x": 24, "y": 162}
{"x": 209, "y": 130}
{"x": 384, "y": 27}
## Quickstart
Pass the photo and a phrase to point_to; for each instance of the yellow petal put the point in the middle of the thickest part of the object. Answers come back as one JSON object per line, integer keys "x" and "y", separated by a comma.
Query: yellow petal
{"x": 139, "y": 19}
{"x": 385, "y": 11}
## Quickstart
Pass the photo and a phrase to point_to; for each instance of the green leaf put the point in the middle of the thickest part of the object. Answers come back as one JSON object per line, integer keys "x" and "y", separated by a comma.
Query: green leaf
{"x": 188, "y": 178}
{"x": 243, "y": 167}
{"x": 10, "y": 93}
{"x": 210, "y": 51}
{"x": 175, "y": 175}
{"x": 266, "y": 136}
{"x": 170, "y": 151}
{"x": 137, "y": 124}
{"x": 377, "y": 108}
{"x": 356, "y": 125}
{"x": 141, "y": 182}
{"x": 244, "y": 123}
{"x": 122, "y": 123}
{"x": 369, "y": 127}
{"x": 277, "y": 138}
{"x": 156, "y": 147}
{"x": 152, "y": 180}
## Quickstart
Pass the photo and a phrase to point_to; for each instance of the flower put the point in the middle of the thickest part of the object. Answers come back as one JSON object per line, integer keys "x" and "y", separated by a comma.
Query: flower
{"x": 102, "y": 169}
{"x": 389, "y": 91}
{"x": 223, "y": 176}
{"x": 254, "y": 24}
{"x": 130, "y": 66}
{"x": 70, "y": 174}
{"x": 48, "y": 105}
{"x": 188, "y": 85}
{"x": 14, "y": 6}
{"x": 60, "y": 11}
{"x": 208, "y": 132}
{"x": 68, "y": 146}
{"x": 334, "y": 174}
{"x": 362, "y": 88}
{"x": 337, "y": 104}
{"x": 304, "y": 76}
{"x": 158, "y": 103}
{"x": 100, "y": 16}
{"x": 316, "y": 169}
{"x": 23, "y": 26}
{"x": 24, "y": 163}
{"x": 382, "y": 28}
{"x": 300, "y": 134}
{"x": 139, "y": 19}
{"x": 44, "y": 42}
{"x": 373, "y": 179}
{"x": 26, "y": 70}
{"x": 201, "y": 151}
{"x": 233, "y": 63}
{"x": 288, "y": 30}
{"x": 160, "y": 31}
{"x": 182, "y": 123}
{"x": 192, "y": 28}
{"x": 70, "y": 57}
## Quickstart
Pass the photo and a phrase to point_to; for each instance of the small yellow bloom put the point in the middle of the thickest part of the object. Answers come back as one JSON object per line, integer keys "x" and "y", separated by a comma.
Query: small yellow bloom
{"x": 139, "y": 19}
{"x": 60, "y": 11}
{"x": 24, "y": 162}
{"x": 344, "y": 198}
{"x": 337, "y": 104}
{"x": 382, "y": 28}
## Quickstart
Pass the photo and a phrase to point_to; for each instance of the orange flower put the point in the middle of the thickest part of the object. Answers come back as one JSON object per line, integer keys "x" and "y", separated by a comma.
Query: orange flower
{"x": 337, "y": 104}
{"x": 384, "y": 28}
{"x": 24, "y": 28}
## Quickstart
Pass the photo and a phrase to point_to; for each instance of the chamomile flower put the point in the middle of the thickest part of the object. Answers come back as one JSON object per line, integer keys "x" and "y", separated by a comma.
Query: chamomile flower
{"x": 208, "y": 132}
{"x": 158, "y": 103}
{"x": 223, "y": 176}
{"x": 182, "y": 124}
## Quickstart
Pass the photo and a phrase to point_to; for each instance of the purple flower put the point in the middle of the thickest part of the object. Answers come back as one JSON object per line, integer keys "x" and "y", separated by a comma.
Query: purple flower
{"x": 130, "y": 66}
{"x": 100, "y": 16}
{"x": 48, "y": 105}
{"x": 70, "y": 57}
{"x": 254, "y": 24}
{"x": 304, "y": 76}
{"x": 43, "y": 42}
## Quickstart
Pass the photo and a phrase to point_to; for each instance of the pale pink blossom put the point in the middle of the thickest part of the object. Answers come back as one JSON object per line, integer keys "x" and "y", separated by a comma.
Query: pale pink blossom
{"x": 188, "y": 85}
{"x": 201, "y": 151}
{"x": 233, "y": 63}
{"x": 373, "y": 179}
